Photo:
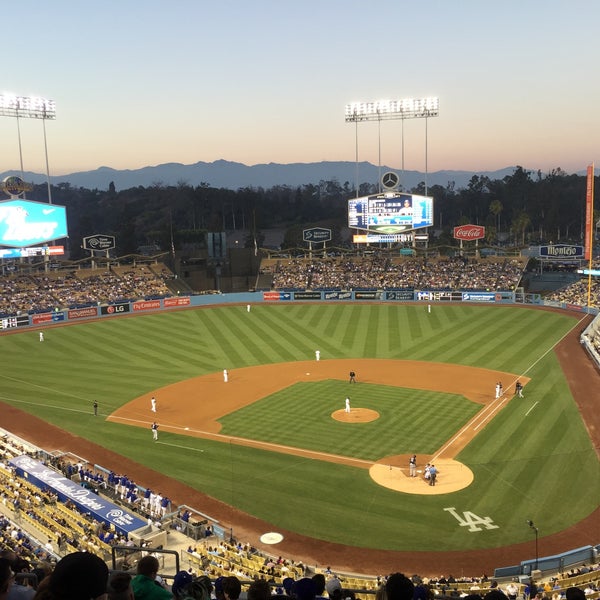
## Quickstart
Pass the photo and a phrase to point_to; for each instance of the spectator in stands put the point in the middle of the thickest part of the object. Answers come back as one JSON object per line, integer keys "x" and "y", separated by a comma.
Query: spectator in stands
{"x": 232, "y": 588}
{"x": 495, "y": 594}
{"x": 512, "y": 590}
{"x": 145, "y": 586}
{"x": 77, "y": 576}
{"x": 23, "y": 587}
{"x": 119, "y": 587}
{"x": 259, "y": 590}
{"x": 319, "y": 580}
{"x": 181, "y": 580}
{"x": 6, "y": 578}
{"x": 575, "y": 593}
{"x": 199, "y": 589}
{"x": 304, "y": 589}
{"x": 399, "y": 587}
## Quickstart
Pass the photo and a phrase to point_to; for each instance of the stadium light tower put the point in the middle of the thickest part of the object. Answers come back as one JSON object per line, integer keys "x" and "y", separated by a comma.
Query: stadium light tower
{"x": 388, "y": 110}
{"x": 535, "y": 530}
{"x": 32, "y": 107}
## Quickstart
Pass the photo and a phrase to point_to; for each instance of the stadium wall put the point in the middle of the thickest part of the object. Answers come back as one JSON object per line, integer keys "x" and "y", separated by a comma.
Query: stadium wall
{"x": 75, "y": 314}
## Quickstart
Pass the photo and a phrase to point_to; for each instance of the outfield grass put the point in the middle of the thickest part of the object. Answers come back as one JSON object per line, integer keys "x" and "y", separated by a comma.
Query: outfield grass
{"x": 526, "y": 462}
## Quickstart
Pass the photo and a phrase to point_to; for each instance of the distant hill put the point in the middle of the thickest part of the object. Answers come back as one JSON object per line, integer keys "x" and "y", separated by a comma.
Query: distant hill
{"x": 233, "y": 175}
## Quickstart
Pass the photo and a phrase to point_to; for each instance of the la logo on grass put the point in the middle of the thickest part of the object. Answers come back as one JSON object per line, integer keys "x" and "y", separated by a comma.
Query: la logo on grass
{"x": 471, "y": 520}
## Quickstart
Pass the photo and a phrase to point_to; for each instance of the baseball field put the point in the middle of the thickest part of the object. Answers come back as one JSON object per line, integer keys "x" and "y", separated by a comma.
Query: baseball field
{"x": 275, "y": 442}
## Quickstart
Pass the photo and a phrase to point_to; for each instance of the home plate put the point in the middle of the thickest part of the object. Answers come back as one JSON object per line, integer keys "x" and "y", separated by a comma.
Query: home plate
{"x": 308, "y": 373}
{"x": 187, "y": 429}
{"x": 271, "y": 538}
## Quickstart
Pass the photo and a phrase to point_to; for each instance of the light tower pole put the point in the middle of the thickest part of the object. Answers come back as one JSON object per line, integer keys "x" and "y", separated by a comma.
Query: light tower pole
{"x": 32, "y": 107}
{"x": 535, "y": 529}
{"x": 388, "y": 110}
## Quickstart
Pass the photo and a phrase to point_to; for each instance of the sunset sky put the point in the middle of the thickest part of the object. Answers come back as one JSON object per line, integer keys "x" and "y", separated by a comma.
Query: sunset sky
{"x": 144, "y": 83}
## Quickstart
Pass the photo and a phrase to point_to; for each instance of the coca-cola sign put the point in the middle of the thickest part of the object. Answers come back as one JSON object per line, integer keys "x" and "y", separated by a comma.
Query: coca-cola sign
{"x": 469, "y": 232}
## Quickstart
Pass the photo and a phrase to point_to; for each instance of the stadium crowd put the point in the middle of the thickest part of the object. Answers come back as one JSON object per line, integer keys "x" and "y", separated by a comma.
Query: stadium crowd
{"x": 218, "y": 569}
{"x": 43, "y": 292}
{"x": 382, "y": 272}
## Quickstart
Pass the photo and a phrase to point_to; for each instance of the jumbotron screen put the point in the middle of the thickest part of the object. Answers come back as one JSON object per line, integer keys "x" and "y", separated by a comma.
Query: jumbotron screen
{"x": 390, "y": 212}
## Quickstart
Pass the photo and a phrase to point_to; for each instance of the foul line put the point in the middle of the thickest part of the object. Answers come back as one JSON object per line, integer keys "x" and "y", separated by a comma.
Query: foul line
{"x": 335, "y": 458}
{"x": 485, "y": 415}
{"x": 536, "y": 403}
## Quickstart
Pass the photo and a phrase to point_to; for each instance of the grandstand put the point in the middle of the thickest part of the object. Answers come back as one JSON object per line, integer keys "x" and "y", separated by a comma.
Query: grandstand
{"x": 32, "y": 515}
{"x": 48, "y": 520}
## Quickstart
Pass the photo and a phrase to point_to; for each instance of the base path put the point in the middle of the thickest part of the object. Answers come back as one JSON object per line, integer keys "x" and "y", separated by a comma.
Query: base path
{"x": 182, "y": 411}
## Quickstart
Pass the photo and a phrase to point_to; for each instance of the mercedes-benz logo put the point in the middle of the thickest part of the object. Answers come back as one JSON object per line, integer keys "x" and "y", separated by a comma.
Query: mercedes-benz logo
{"x": 390, "y": 180}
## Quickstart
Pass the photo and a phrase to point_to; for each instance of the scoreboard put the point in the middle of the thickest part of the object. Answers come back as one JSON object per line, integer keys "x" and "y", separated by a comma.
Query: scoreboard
{"x": 16, "y": 321}
{"x": 390, "y": 212}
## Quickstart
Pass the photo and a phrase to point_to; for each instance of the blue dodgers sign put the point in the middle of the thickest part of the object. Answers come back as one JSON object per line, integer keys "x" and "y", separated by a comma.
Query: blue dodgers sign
{"x": 26, "y": 223}
{"x": 86, "y": 500}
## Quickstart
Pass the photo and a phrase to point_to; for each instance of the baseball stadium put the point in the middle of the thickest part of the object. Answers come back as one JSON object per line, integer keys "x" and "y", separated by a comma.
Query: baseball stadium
{"x": 272, "y": 450}
{"x": 351, "y": 415}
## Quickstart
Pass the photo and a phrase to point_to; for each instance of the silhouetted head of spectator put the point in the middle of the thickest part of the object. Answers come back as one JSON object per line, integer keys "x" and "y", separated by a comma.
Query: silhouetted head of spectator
{"x": 287, "y": 584}
{"x": 399, "y": 587}
{"x": 198, "y": 589}
{"x": 78, "y": 576}
{"x": 6, "y": 577}
{"x": 575, "y": 593}
{"x": 495, "y": 594}
{"x": 421, "y": 592}
{"x": 180, "y": 580}
{"x": 232, "y": 588}
{"x": 319, "y": 580}
{"x": 259, "y": 590}
{"x": 304, "y": 589}
{"x": 119, "y": 586}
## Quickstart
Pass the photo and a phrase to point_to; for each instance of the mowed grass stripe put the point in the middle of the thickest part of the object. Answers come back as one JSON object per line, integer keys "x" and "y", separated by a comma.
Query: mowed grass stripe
{"x": 286, "y": 335}
{"x": 310, "y": 406}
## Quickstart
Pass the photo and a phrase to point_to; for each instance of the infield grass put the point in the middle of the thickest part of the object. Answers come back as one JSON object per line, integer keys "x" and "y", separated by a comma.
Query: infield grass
{"x": 530, "y": 462}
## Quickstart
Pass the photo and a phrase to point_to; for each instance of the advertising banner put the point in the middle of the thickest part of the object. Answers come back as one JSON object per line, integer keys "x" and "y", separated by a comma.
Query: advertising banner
{"x": 179, "y": 301}
{"x": 337, "y": 295}
{"x": 400, "y": 295}
{"x": 86, "y": 500}
{"x": 145, "y": 305}
{"x": 374, "y": 295}
{"x": 115, "y": 309}
{"x": 479, "y": 297}
{"x": 47, "y": 318}
{"x": 307, "y": 295}
{"x": 82, "y": 313}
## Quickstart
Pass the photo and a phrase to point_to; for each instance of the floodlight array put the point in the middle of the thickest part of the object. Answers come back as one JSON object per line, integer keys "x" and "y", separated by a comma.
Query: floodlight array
{"x": 407, "y": 108}
{"x": 27, "y": 106}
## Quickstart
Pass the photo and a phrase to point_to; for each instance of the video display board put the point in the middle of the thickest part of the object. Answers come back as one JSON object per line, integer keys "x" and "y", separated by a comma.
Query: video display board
{"x": 390, "y": 212}
{"x": 26, "y": 223}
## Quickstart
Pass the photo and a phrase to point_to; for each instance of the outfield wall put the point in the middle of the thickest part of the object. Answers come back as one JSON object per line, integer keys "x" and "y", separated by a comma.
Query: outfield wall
{"x": 271, "y": 297}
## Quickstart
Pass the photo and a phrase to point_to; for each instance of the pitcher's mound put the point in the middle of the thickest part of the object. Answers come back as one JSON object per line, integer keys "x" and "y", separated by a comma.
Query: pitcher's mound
{"x": 392, "y": 472}
{"x": 356, "y": 415}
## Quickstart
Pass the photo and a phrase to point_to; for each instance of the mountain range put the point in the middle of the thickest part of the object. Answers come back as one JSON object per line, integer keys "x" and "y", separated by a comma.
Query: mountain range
{"x": 234, "y": 175}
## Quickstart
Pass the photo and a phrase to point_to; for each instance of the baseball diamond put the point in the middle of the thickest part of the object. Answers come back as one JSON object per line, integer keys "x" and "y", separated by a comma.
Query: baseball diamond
{"x": 273, "y": 450}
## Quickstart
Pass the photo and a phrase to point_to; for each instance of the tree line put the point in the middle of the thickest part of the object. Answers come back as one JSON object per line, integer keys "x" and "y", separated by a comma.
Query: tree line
{"x": 522, "y": 208}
